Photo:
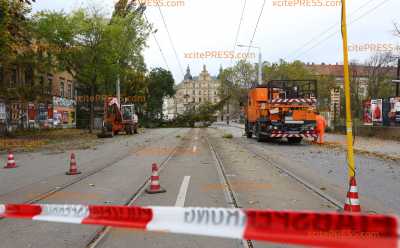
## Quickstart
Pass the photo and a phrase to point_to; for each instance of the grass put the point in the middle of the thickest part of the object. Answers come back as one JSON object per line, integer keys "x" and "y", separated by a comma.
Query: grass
{"x": 51, "y": 139}
{"x": 227, "y": 136}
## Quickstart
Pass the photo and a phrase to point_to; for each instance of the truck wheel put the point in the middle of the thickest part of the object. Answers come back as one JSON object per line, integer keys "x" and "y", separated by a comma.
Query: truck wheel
{"x": 260, "y": 138}
{"x": 135, "y": 131}
{"x": 295, "y": 140}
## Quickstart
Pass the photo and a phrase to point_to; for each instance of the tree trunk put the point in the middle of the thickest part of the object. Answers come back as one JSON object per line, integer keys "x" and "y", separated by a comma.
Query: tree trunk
{"x": 91, "y": 121}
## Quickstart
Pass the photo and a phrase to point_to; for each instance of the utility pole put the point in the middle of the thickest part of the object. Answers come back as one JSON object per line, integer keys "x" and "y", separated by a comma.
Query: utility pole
{"x": 259, "y": 68}
{"x": 118, "y": 91}
{"x": 259, "y": 62}
{"x": 349, "y": 121}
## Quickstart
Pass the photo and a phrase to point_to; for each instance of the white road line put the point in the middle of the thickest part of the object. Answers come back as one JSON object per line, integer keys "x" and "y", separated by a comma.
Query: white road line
{"x": 180, "y": 200}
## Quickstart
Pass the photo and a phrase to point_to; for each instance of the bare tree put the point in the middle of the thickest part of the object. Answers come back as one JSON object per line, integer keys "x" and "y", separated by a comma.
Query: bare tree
{"x": 396, "y": 29}
{"x": 380, "y": 68}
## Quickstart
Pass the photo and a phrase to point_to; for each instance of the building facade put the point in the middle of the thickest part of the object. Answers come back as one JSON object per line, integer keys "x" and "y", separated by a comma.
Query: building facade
{"x": 191, "y": 93}
{"x": 30, "y": 99}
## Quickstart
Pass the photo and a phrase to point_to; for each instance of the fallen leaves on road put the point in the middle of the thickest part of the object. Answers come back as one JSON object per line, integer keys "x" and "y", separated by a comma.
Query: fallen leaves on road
{"x": 52, "y": 139}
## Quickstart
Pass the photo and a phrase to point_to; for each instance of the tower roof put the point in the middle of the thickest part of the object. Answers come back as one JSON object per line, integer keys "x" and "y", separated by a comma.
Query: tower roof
{"x": 188, "y": 76}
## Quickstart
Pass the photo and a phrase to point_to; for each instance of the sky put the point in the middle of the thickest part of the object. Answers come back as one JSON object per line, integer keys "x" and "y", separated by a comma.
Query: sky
{"x": 308, "y": 33}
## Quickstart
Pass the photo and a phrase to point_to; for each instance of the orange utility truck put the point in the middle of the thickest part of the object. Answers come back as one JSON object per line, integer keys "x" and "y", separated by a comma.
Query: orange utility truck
{"x": 282, "y": 109}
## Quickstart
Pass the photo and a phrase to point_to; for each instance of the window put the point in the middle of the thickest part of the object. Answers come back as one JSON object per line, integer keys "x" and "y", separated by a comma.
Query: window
{"x": 200, "y": 99}
{"x": 62, "y": 89}
{"x": 29, "y": 76}
{"x": 1, "y": 74}
{"x": 70, "y": 94}
{"x": 13, "y": 80}
{"x": 41, "y": 82}
{"x": 50, "y": 84}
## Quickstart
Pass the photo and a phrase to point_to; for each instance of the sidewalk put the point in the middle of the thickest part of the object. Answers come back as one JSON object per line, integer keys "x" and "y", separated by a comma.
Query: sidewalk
{"x": 380, "y": 147}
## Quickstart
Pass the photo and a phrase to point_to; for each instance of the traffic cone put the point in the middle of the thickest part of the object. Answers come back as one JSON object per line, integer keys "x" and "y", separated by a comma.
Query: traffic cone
{"x": 10, "y": 161}
{"x": 73, "y": 168}
{"x": 155, "y": 187}
{"x": 352, "y": 202}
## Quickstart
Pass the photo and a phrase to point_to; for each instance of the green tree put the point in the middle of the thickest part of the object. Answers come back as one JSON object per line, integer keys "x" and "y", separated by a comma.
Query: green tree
{"x": 160, "y": 85}
{"x": 93, "y": 49}
{"x": 14, "y": 29}
{"x": 297, "y": 70}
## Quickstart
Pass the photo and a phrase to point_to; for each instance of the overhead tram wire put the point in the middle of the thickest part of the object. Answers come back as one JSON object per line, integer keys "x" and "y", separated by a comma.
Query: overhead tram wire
{"x": 158, "y": 45}
{"x": 315, "y": 38}
{"x": 255, "y": 29}
{"x": 238, "y": 29}
{"x": 295, "y": 52}
{"x": 351, "y": 22}
{"x": 170, "y": 40}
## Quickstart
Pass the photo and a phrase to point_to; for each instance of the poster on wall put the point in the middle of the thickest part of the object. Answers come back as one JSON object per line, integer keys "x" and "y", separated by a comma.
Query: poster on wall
{"x": 367, "y": 116}
{"x": 376, "y": 109}
{"x": 31, "y": 112}
{"x": 57, "y": 118}
{"x": 394, "y": 113}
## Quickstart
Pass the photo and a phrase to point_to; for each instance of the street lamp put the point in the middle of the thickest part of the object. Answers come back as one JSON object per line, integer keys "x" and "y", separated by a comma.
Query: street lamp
{"x": 259, "y": 62}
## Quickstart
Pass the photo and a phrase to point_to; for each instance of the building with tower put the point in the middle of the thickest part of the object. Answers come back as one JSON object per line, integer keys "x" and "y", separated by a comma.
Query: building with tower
{"x": 191, "y": 93}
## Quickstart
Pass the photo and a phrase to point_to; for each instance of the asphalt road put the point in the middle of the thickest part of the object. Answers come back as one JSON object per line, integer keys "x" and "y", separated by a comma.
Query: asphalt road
{"x": 326, "y": 168}
{"x": 115, "y": 171}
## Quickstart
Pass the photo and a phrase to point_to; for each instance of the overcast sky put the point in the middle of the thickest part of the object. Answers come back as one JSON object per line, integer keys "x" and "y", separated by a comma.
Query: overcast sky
{"x": 283, "y": 32}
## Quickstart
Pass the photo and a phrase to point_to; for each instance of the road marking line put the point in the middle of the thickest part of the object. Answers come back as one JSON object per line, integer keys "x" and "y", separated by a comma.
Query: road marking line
{"x": 180, "y": 200}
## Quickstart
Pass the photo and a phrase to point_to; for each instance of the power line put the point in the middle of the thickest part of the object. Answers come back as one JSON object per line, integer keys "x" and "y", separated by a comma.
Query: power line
{"x": 315, "y": 38}
{"x": 170, "y": 40}
{"x": 255, "y": 29}
{"x": 238, "y": 29}
{"x": 295, "y": 52}
{"x": 351, "y": 22}
{"x": 158, "y": 45}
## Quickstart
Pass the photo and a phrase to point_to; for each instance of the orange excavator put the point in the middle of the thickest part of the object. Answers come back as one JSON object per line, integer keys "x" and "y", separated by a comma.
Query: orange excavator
{"x": 118, "y": 118}
{"x": 282, "y": 109}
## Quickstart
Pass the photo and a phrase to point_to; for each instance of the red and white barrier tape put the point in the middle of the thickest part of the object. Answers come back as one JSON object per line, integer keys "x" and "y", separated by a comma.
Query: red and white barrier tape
{"x": 301, "y": 228}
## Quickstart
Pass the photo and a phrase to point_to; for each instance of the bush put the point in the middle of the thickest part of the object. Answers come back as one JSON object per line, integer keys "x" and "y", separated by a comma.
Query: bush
{"x": 227, "y": 136}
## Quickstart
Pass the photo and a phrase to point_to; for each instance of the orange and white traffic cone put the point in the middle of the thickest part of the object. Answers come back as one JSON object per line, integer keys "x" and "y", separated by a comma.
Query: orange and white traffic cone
{"x": 352, "y": 201}
{"x": 10, "y": 161}
{"x": 155, "y": 187}
{"x": 73, "y": 168}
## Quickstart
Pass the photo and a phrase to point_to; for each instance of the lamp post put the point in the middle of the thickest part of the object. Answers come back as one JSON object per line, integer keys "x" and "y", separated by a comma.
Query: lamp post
{"x": 259, "y": 62}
